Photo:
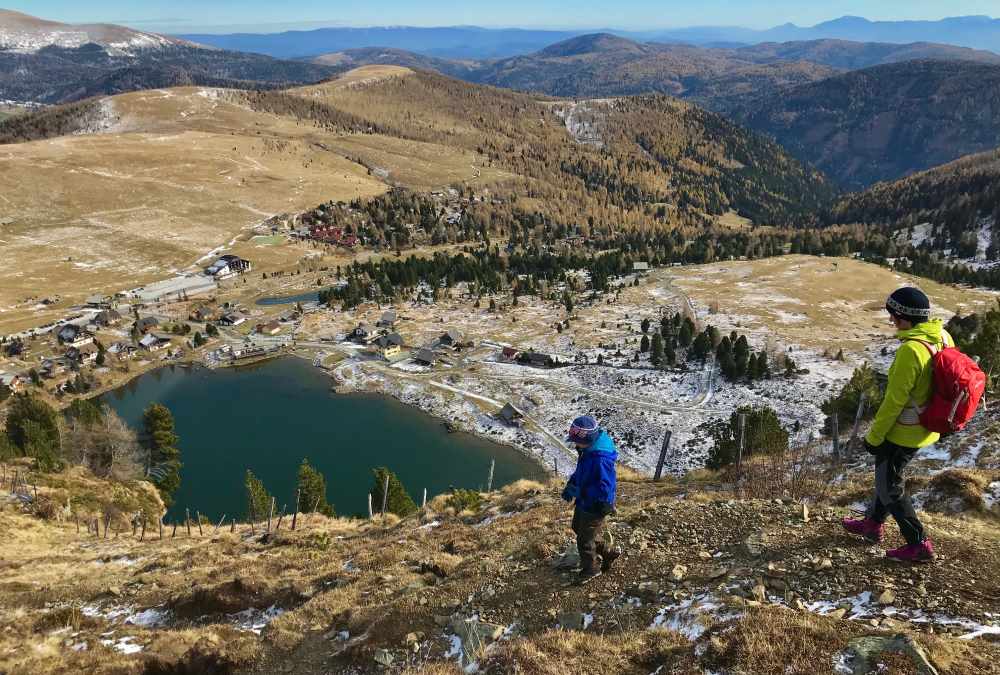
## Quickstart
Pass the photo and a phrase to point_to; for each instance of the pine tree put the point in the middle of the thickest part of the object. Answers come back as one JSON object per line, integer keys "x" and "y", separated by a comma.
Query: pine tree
{"x": 399, "y": 501}
{"x": 644, "y": 344}
{"x": 258, "y": 498}
{"x": 33, "y": 430}
{"x": 645, "y": 326}
{"x": 160, "y": 441}
{"x": 312, "y": 491}
{"x": 686, "y": 333}
{"x": 701, "y": 347}
{"x": 657, "y": 354}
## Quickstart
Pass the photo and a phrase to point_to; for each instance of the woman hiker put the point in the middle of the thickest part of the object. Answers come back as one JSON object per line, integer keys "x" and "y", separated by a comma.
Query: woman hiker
{"x": 896, "y": 434}
{"x": 593, "y": 486}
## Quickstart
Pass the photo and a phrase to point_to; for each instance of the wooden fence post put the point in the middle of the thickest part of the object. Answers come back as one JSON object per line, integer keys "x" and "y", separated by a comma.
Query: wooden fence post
{"x": 187, "y": 520}
{"x": 862, "y": 405}
{"x": 160, "y": 524}
{"x": 423, "y": 502}
{"x": 489, "y": 481}
{"x": 385, "y": 494}
{"x": 197, "y": 515}
{"x": 663, "y": 455}
{"x": 743, "y": 437}
{"x": 174, "y": 532}
{"x": 221, "y": 520}
{"x": 298, "y": 495}
{"x": 280, "y": 516}
{"x": 835, "y": 432}
{"x": 232, "y": 526}
{"x": 270, "y": 513}
{"x": 370, "y": 514}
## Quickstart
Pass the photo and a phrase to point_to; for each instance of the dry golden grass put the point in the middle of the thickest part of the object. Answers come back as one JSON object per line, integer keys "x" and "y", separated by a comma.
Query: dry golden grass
{"x": 806, "y": 300}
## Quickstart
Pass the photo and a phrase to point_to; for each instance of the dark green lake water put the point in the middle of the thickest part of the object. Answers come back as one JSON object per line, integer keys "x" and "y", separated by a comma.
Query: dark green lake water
{"x": 267, "y": 417}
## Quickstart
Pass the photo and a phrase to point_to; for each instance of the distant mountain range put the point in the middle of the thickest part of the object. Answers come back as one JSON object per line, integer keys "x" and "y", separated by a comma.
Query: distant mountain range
{"x": 48, "y": 62}
{"x": 470, "y": 42}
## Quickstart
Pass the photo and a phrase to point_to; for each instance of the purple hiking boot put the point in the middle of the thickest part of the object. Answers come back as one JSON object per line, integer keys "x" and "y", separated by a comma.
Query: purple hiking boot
{"x": 864, "y": 527}
{"x": 922, "y": 552}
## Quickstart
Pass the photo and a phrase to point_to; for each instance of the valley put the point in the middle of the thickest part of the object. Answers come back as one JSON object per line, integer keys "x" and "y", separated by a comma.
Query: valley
{"x": 393, "y": 277}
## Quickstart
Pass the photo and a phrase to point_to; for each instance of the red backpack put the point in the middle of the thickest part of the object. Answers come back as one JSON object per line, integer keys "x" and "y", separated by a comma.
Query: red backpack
{"x": 957, "y": 387}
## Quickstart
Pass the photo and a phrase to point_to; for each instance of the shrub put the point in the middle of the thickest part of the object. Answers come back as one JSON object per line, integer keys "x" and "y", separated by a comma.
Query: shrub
{"x": 762, "y": 432}
{"x": 399, "y": 501}
{"x": 465, "y": 500}
{"x": 845, "y": 404}
{"x": 312, "y": 491}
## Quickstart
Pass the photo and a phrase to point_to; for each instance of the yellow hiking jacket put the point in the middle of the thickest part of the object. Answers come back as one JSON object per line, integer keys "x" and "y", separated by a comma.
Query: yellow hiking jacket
{"x": 909, "y": 389}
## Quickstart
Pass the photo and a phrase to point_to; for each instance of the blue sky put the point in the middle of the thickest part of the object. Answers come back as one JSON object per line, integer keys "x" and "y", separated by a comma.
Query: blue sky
{"x": 264, "y": 15}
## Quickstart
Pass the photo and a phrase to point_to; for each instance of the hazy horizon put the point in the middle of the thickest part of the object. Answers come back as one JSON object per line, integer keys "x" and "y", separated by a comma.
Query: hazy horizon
{"x": 256, "y": 16}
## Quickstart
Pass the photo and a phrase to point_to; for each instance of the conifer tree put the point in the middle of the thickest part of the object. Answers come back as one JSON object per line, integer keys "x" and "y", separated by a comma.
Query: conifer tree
{"x": 33, "y": 430}
{"x": 644, "y": 344}
{"x": 312, "y": 490}
{"x": 258, "y": 498}
{"x": 657, "y": 354}
{"x": 164, "y": 458}
{"x": 399, "y": 501}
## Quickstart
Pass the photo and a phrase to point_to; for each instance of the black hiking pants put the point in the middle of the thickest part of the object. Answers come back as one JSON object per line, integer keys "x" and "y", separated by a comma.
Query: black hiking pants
{"x": 890, "y": 498}
{"x": 589, "y": 529}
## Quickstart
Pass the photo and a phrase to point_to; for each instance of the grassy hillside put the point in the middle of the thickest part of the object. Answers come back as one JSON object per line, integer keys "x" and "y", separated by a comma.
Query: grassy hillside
{"x": 885, "y": 122}
{"x": 711, "y": 580}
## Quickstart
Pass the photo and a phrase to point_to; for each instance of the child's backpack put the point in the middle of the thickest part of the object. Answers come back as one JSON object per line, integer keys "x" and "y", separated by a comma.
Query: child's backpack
{"x": 958, "y": 386}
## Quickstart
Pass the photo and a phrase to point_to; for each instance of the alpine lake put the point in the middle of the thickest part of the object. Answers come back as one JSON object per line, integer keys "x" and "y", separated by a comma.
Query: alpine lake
{"x": 267, "y": 417}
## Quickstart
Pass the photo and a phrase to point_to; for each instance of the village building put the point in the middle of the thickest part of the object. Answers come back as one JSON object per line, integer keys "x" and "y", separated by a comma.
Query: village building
{"x": 12, "y": 383}
{"x": 99, "y": 301}
{"x": 68, "y": 333}
{"x": 145, "y": 324}
{"x": 363, "y": 334}
{"x": 178, "y": 288}
{"x": 509, "y": 354}
{"x": 426, "y": 357}
{"x": 510, "y": 415}
{"x": 228, "y": 266}
{"x": 122, "y": 351}
{"x": 269, "y": 328}
{"x": 53, "y": 367}
{"x": 451, "y": 338}
{"x": 203, "y": 313}
{"x": 388, "y": 319}
{"x": 83, "y": 354}
{"x": 153, "y": 343}
{"x": 640, "y": 267}
{"x": 389, "y": 346}
{"x": 107, "y": 317}
{"x": 232, "y": 319}
{"x": 537, "y": 359}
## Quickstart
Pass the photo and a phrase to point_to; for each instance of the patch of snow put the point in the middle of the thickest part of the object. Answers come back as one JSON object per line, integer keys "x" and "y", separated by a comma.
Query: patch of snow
{"x": 587, "y": 620}
{"x": 125, "y": 645}
{"x": 431, "y": 525}
{"x": 991, "y": 497}
{"x": 254, "y": 620}
{"x": 149, "y": 618}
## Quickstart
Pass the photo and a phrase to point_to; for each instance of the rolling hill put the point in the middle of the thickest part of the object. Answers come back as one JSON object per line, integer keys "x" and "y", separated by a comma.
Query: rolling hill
{"x": 885, "y": 122}
{"x": 604, "y": 64}
{"x": 131, "y": 187}
{"x": 48, "y": 62}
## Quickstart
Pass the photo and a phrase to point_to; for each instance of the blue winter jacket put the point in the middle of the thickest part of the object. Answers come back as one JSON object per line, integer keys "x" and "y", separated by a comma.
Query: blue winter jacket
{"x": 594, "y": 481}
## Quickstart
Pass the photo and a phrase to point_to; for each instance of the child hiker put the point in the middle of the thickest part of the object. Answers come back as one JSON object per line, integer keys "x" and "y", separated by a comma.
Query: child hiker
{"x": 897, "y": 434}
{"x": 593, "y": 486}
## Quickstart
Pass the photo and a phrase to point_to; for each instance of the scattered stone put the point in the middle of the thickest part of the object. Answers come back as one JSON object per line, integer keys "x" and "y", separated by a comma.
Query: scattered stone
{"x": 805, "y": 512}
{"x": 838, "y": 613}
{"x": 887, "y": 597}
{"x": 864, "y": 651}
{"x": 383, "y": 657}
{"x": 572, "y": 620}
{"x": 679, "y": 572}
{"x": 760, "y": 593}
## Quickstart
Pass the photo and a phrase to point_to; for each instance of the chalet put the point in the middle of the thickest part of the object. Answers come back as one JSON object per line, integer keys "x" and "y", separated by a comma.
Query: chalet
{"x": 228, "y": 266}
{"x": 99, "y": 302}
{"x": 269, "y": 328}
{"x": 388, "y": 319}
{"x": 107, "y": 317}
{"x": 145, "y": 324}
{"x": 232, "y": 319}
{"x": 83, "y": 354}
{"x": 450, "y": 338}
{"x": 640, "y": 267}
{"x": 510, "y": 415}
{"x": 12, "y": 383}
{"x": 53, "y": 367}
{"x": 248, "y": 352}
{"x": 537, "y": 359}
{"x": 363, "y": 334}
{"x": 122, "y": 351}
{"x": 389, "y": 346}
{"x": 426, "y": 357}
{"x": 509, "y": 354}
{"x": 68, "y": 333}
{"x": 82, "y": 338}
{"x": 153, "y": 343}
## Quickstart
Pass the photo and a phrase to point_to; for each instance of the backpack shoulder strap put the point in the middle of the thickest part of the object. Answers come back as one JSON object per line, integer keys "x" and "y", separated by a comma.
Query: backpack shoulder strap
{"x": 931, "y": 348}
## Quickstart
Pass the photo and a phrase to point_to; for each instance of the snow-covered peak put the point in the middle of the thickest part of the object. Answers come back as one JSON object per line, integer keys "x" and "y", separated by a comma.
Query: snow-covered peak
{"x": 26, "y": 34}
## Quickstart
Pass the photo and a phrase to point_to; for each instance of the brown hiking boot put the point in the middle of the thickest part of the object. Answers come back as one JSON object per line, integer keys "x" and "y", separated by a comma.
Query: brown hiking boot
{"x": 608, "y": 559}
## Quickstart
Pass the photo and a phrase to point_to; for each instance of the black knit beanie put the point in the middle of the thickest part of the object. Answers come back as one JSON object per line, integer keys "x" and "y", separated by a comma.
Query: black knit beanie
{"x": 909, "y": 303}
